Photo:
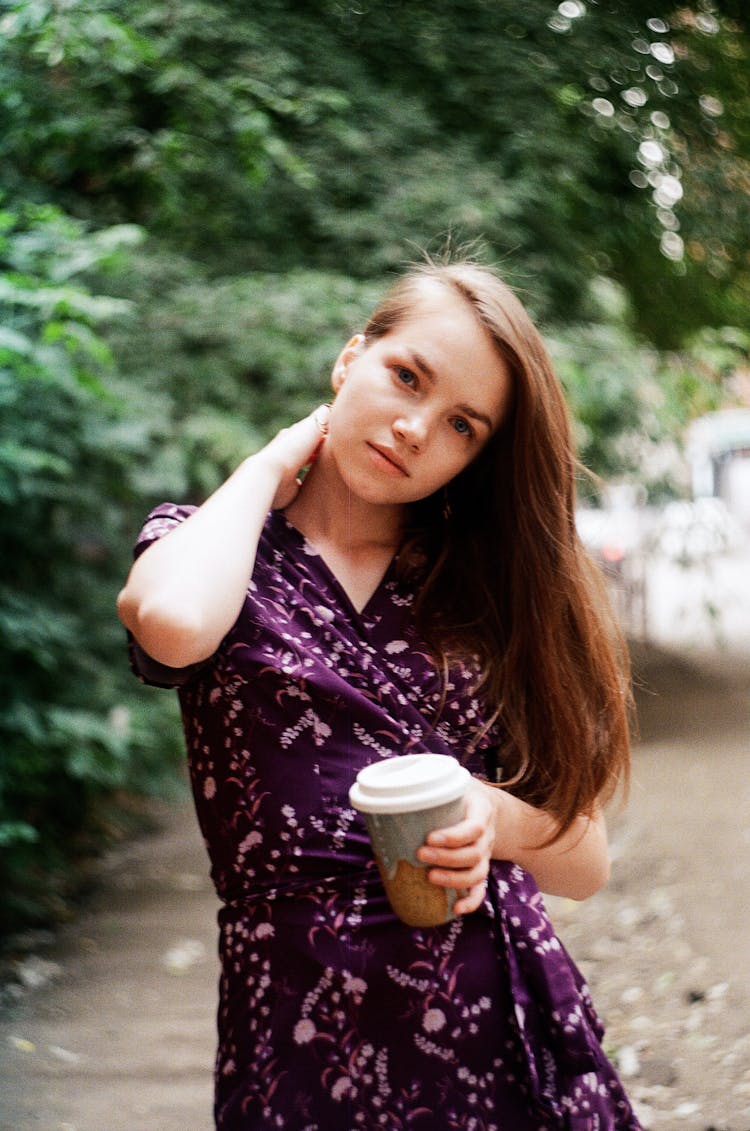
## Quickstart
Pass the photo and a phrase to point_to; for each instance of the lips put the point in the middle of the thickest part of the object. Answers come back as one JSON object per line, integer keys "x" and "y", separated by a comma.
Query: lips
{"x": 386, "y": 456}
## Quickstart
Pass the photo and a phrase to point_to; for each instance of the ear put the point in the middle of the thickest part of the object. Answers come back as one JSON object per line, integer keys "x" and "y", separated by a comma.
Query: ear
{"x": 351, "y": 350}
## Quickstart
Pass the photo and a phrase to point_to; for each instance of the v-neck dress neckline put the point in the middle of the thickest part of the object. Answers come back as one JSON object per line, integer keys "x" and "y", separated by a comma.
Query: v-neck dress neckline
{"x": 309, "y": 548}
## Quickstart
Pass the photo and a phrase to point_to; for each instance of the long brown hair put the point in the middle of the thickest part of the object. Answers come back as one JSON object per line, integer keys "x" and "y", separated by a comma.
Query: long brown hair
{"x": 508, "y": 578}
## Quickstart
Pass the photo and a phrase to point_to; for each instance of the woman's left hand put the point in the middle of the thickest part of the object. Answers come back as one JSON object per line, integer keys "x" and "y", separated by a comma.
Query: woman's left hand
{"x": 459, "y": 856}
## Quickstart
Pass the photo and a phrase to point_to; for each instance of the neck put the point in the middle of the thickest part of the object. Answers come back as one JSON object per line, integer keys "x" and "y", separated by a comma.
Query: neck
{"x": 325, "y": 511}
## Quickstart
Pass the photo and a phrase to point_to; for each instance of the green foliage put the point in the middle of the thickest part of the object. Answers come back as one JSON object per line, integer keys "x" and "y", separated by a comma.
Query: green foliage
{"x": 64, "y": 490}
{"x": 159, "y": 113}
{"x": 221, "y": 365}
{"x": 272, "y": 136}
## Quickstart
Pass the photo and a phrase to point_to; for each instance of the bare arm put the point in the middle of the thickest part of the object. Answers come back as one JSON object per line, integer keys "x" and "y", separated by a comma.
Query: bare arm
{"x": 502, "y": 827}
{"x": 185, "y": 591}
{"x": 576, "y": 865}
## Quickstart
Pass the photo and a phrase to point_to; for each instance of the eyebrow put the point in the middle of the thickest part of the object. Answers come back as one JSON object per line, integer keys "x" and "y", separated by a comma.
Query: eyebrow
{"x": 424, "y": 366}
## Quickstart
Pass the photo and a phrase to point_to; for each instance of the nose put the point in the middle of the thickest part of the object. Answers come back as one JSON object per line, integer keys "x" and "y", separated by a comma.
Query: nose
{"x": 412, "y": 430}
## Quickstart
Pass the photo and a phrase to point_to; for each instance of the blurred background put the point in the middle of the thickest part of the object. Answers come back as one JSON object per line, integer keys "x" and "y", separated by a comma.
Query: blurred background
{"x": 200, "y": 201}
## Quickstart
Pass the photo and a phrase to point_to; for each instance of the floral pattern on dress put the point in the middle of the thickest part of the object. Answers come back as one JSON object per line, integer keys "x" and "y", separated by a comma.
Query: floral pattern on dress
{"x": 333, "y": 1015}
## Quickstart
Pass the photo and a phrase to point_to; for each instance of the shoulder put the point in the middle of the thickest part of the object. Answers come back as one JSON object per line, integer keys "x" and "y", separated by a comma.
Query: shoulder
{"x": 159, "y": 521}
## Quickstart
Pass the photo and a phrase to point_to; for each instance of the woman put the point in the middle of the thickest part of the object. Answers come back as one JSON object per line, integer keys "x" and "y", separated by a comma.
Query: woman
{"x": 423, "y": 588}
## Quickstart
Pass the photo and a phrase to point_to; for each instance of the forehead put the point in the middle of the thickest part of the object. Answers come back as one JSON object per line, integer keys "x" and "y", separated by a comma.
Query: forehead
{"x": 435, "y": 310}
{"x": 427, "y": 296}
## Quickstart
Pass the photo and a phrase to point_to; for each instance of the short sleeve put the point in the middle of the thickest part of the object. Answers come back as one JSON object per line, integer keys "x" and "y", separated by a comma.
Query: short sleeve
{"x": 160, "y": 521}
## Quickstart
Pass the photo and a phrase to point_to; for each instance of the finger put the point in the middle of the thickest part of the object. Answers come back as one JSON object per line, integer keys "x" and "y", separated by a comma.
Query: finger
{"x": 459, "y": 877}
{"x": 466, "y": 856}
{"x": 322, "y": 416}
{"x": 318, "y": 450}
{"x": 470, "y": 900}
{"x": 455, "y": 836}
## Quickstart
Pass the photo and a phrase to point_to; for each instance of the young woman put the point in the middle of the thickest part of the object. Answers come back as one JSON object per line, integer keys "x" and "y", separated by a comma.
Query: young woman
{"x": 423, "y": 588}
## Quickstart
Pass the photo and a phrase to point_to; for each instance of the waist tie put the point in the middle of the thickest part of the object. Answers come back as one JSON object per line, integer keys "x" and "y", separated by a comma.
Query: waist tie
{"x": 557, "y": 1025}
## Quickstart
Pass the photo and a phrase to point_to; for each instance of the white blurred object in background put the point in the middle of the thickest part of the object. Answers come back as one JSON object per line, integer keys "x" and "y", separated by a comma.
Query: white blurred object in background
{"x": 718, "y": 451}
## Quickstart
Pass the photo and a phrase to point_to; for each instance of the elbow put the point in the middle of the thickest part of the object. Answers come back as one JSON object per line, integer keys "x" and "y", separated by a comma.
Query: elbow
{"x": 173, "y": 637}
{"x": 127, "y": 609}
{"x": 596, "y": 877}
{"x": 594, "y": 868}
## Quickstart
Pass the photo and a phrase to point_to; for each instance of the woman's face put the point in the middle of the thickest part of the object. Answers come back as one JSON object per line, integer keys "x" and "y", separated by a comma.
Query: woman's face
{"x": 415, "y": 407}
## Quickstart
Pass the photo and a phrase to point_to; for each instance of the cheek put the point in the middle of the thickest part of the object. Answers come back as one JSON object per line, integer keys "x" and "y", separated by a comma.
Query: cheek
{"x": 351, "y": 400}
{"x": 343, "y": 414}
{"x": 460, "y": 458}
{"x": 441, "y": 471}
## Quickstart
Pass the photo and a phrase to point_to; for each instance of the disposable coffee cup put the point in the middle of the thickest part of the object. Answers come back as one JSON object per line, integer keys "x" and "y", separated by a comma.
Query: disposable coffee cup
{"x": 402, "y": 800}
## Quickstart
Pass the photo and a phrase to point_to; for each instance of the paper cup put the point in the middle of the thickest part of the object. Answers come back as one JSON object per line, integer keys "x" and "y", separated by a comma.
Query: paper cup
{"x": 402, "y": 800}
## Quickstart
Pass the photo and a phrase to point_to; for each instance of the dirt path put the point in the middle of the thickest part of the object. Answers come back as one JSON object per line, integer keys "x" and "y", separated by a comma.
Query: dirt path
{"x": 120, "y": 1038}
{"x": 666, "y": 946}
{"x": 118, "y": 1034}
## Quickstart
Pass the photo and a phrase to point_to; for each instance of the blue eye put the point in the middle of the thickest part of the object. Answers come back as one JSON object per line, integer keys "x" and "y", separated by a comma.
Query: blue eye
{"x": 405, "y": 376}
{"x": 462, "y": 426}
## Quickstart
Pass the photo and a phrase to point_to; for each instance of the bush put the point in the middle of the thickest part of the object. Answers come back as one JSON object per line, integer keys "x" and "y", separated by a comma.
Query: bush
{"x": 72, "y": 722}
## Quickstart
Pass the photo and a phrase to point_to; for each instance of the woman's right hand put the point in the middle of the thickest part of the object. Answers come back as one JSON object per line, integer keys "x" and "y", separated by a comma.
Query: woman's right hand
{"x": 292, "y": 449}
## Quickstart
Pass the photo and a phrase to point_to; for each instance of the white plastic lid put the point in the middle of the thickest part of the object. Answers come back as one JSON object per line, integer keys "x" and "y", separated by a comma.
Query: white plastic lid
{"x": 408, "y": 782}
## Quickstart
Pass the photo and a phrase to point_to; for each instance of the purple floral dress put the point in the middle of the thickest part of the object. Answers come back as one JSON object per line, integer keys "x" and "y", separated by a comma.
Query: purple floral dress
{"x": 333, "y": 1015}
